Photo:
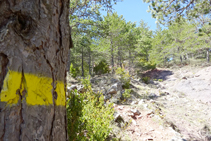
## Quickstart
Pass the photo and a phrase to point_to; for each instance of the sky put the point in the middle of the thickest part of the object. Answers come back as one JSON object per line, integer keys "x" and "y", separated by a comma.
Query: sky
{"x": 134, "y": 11}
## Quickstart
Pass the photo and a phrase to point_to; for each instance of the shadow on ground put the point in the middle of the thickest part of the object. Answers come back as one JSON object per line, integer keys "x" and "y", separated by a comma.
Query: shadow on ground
{"x": 157, "y": 74}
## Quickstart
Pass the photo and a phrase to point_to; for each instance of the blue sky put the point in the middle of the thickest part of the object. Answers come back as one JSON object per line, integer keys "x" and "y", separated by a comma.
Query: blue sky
{"x": 134, "y": 11}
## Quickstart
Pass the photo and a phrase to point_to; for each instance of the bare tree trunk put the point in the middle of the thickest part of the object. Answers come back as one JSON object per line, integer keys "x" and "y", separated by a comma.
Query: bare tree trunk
{"x": 180, "y": 58}
{"x": 34, "y": 46}
{"x": 119, "y": 57}
{"x": 82, "y": 61}
{"x": 208, "y": 55}
{"x": 112, "y": 57}
{"x": 89, "y": 61}
{"x": 147, "y": 57}
{"x": 129, "y": 62}
{"x": 93, "y": 65}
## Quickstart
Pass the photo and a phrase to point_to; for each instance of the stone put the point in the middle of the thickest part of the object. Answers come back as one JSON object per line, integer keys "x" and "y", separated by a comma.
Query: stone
{"x": 152, "y": 96}
{"x": 139, "y": 117}
{"x": 112, "y": 81}
{"x": 81, "y": 89}
{"x": 134, "y": 102}
{"x": 107, "y": 96}
{"x": 112, "y": 91}
{"x": 120, "y": 107}
{"x": 115, "y": 87}
{"x": 119, "y": 120}
{"x": 131, "y": 114}
{"x": 71, "y": 88}
{"x": 150, "y": 114}
{"x": 135, "y": 111}
{"x": 134, "y": 122}
{"x": 141, "y": 102}
{"x": 184, "y": 77}
{"x": 92, "y": 80}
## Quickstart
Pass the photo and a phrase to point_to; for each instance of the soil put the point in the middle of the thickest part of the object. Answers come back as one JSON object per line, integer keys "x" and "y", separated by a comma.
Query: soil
{"x": 174, "y": 106}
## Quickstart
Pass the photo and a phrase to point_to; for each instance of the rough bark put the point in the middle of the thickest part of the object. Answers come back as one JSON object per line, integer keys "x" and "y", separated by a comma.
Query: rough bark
{"x": 34, "y": 45}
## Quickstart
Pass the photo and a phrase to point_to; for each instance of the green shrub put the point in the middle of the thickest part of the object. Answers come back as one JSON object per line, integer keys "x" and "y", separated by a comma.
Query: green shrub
{"x": 126, "y": 94}
{"x": 102, "y": 67}
{"x": 74, "y": 113}
{"x": 160, "y": 80}
{"x": 74, "y": 71}
{"x": 147, "y": 65}
{"x": 88, "y": 118}
{"x": 120, "y": 71}
{"x": 125, "y": 77}
{"x": 146, "y": 79}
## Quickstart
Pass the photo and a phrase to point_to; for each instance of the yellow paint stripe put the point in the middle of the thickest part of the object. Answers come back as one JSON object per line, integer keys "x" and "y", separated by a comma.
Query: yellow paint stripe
{"x": 38, "y": 90}
{"x": 12, "y": 83}
{"x": 60, "y": 94}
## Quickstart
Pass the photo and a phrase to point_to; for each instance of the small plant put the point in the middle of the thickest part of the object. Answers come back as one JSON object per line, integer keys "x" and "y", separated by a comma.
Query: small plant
{"x": 74, "y": 113}
{"x": 102, "y": 67}
{"x": 126, "y": 94}
{"x": 125, "y": 77}
{"x": 74, "y": 71}
{"x": 146, "y": 79}
{"x": 160, "y": 80}
{"x": 88, "y": 118}
{"x": 147, "y": 65}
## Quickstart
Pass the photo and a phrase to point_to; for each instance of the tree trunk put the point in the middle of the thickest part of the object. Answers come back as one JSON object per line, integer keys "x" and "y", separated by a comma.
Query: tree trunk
{"x": 208, "y": 55}
{"x": 119, "y": 57}
{"x": 129, "y": 62}
{"x": 93, "y": 65}
{"x": 82, "y": 61}
{"x": 34, "y": 46}
{"x": 180, "y": 58}
{"x": 112, "y": 57}
{"x": 89, "y": 61}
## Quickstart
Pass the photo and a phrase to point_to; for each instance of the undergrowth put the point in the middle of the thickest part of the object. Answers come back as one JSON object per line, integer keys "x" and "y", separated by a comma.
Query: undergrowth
{"x": 88, "y": 117}
{"x": 124, "y": 77}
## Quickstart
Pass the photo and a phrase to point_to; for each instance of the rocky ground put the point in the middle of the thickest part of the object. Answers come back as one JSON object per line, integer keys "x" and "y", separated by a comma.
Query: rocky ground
{"x": 175, "y": 108}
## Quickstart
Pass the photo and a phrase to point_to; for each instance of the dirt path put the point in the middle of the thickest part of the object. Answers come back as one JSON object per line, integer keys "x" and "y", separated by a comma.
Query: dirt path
{"x": 180, "y": 105}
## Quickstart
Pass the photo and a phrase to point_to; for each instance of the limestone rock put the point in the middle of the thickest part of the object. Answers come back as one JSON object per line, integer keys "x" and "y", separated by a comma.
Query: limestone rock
{"x": 71, "y": 88}
{"x": 135, "y": 111}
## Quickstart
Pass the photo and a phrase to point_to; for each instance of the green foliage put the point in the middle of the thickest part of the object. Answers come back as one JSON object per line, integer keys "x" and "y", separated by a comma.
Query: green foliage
{"x": 160, "y": 80}
{"x": 168, "y": 11}
{"x": 74, "y": 71}
{"x": 74, "y": 113}
{"x": 125, "y": 77}
{"x": 126, "y": 94}
{"x": 147, "y": 65}
{"x": 120, "y": 71}
{"x": 88, "y": 118}
{"x": 146, "y": 79}
{"x": 102, "y": 67}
